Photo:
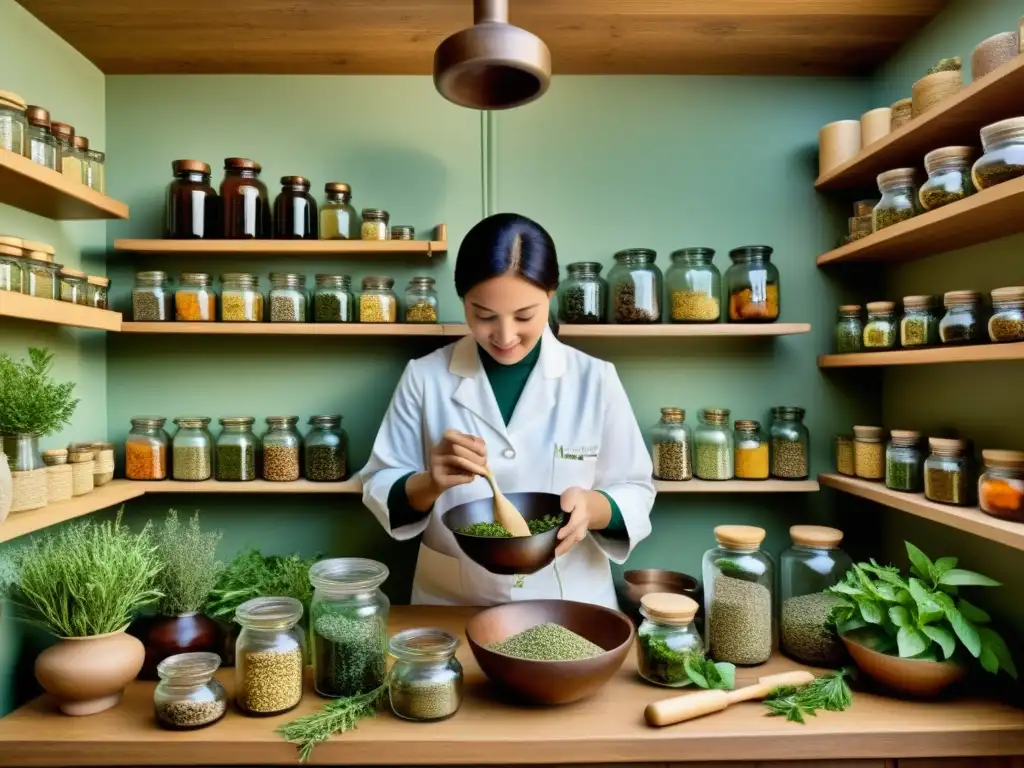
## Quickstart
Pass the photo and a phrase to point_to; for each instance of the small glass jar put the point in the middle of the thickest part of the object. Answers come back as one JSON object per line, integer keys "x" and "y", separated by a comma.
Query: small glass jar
{"x": 1007, "y": 320}
{"x": 694, "y": 286}
{"x": 98, "y": 291}
{"x": 96, "y": 171}
{"x": 919, "y": 326}
{"x": 377, "y": 301}
{"x": 375, "y": 224}
{"x": 13, "y": 124}
{"x": 237, "y": 447}
{"x": 582, "y": 296}
{"x": 670, "y": 443}
{"x": 790, "y": 443}
{"x": 904, "y": 461}
{"x": 188, "y": 695}
{"x": 333, "y": 301}
{"x": 739, "y": 608}
{"x": 713, "y": 445}
{"x": 881, "y": 328}
{"x": 1001, "y": 485}
{"x": 40, "y": 279}
{"x": 425, "y": 682}
{"x": 949, "y": 177}
{"x": 193, "y": 206}
{"x": 753, "y": 285}
{"x": 403, "y": 232}
{"x": 635, "y": 287}
{"x": 338, "y": 219}
{"x": 282, "y": 447}
{"x": 145, "y": 449}
{"x": 666, "y": 639}
{"x": 869, "y": 453}
{"x": 288, "y": 298}
{"x": 349, "y": 622}
{"x": 10, "y": 265}
{"x": 295, "y": 214}
{"x": 1003, "y": 160}
{"x": 751, "y": 451}
{"x": 245, "y": 202}
{"x": 81, "y": 154}
{"x": 240, "y": 298}
{"x": 192, "y": 449}
{"x": 421, "y": 301}
{"x": 152, "y": 297}
{"x": 947, "y": 472}
{"x": 40, "y": 144}
{"x": 195, "y": 301}
{"x": 899, "y": 198}
{"x": 844, "y": 456}
{"x": 73, "y": 287}
{"x": 964, "y": 321}
{"x": 326, "y": 450}
{"x": 849, "y": 329}
{"x": 69, "y": 161}
{"x": 269, "y": 655}
{"x": 813, "y": 564}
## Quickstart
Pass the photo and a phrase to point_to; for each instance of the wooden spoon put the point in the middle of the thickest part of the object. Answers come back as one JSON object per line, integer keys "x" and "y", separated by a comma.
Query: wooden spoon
{"x": 505, "y": 512}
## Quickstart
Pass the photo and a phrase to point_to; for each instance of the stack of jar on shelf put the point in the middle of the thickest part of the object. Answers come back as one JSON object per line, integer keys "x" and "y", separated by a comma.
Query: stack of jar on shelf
{"x": 28, "y": 267}
{"x": 635, "y": 290}
{"x": 57, "y": 474}
{"x": 237, "y": 454}
{"x": 945, "y": 473}
{"x": 715, "y": 451}
{"x": 154, "y": 299}
{"x": 27, "y": 130}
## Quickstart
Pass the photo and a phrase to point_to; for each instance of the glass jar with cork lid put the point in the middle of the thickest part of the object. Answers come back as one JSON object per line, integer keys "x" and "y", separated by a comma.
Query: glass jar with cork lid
{"x": 844, "y": 455}
{"x": 949, "y": 177}
{"x": 375, "y": 224}
{"x": 1003, "y": 160}
{"x": 948, "y": 472}
{"x": 98, "y": 291}
{"x": 152, "y": 297}
{"x": 1006, "y": 323}
{"x": 11, "y": 258}
{"x": 713, "y": 445}
{"x": 338, "y": 219}
{"x": 377, "y": 301}
{"x": 240, "y": 298}
{"x": 919, "y": 325}
{"x": 68, "y": 162}
{"x": 425, "y": 682}
{"x": 192, "y": 449}
{"x": 1001, "y": 485}
{"x": 188, "y": 695}
{"x": 40, "y": 143}
{"x": 899, "y": 198}
{"x": 237, "y": 447}
{"x": 326, "y": 449}
{"x": 964, "y": 321}
{"x": 670, "y": 443}
{"x": 95, "y": 170}
{"x": 694, "y": 286}
{"x": 193, "y": 207}
{"x": 269, "y": 655}
{"x": 667, "y": 638}
{"x": 81, "y": 144}
{"x": 421, "y": 301}
{"x": 40, "y": 278}
{"x": 146, "y": 448}
{"x": 752, "y": 451}
{"x": 635, "y": 287}
{"x": 287, "y": 297}
{"x": 73, "y": 286}
{"x": 282, "y": 449}
{"x": 13, "y": 124}
{"x": 880, "y": 329}
{"x": 752, "y": 283}
{"x": 849, "y": 329}
{"x": 583, "y": 294}
{"x": 904, "y": 461}
{"x": 333, "y": 300}
{"x": 869, "y": 453}
{"x": 790, "y": 446}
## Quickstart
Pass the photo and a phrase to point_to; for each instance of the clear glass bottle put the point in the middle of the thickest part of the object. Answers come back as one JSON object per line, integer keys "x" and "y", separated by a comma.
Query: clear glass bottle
{"x": 377, "y": 301}
{"x": 192, "y": 449}
{"x": 790, "y": 443}
{"x": 635, "y": 287}
{"x": 96, "y": 170}
{"x": 948, "y": 472}
{"x": 949, "y": 177}
{"x": 694, "y": 286}
{"x": 188, "y": 695}
{"x": 145, "y": 449}
{"x": 919, "y": 326}
{"x": 152, "y": 297}
{"x": 40, "y": 144}
{"x": 237, "y": 449}
{"x": 583, "y": 294}
{"x": 869, "y": 453}
{"x": 240, "y": 298}
{"x": 752, "y": 283}
{"x": 1007, "y": 320}
{"x": 670, "y": 443}
{"x": 69, "y": 161}
{"x": 1003, "y": 160}
{"x": 338, "y": 219}
{"x": 904, "y": 461}
{"x": 1001, "y": 485}
{"x": 349, "y": 622}
{"x": 73, "y": 288}
{"x": 899, "y": 198}
{"x": 739, "y": 609}
{"x": 751, "y": 451}
{"x": 333, "y": 300}
{"x": 403, "y": 232}
{"x": 98, "y": 291}
{"x": 964, "y": 321}
{"x": 195, "y": 301}
{"x": 375, "y": 224}
{"x": 13, "y": 124}
{"x": 844, "y": 455}
{"x": 881, "y": 328}
{"x": 193, "y": 206}
{"x": 245, "y": 202}
{"x": 269, "y": 655}
{"x": 810, "y": 566}
{"x": 326, "y": 449}
{"x": 288, "y": 302}
{"x": 40, "y": 279}
{"x": 666, "y": 638}
{"x": 849, "y": 329}
{"x": 295, "y": 214}
{"x": 10, "y": 266}
{"x": 421, "y": 301}
{"x": 425, "y": 682}
{"x": 713, "y": 445}
{"x": 282, "y": 448}
{"x": 81, "y": 155}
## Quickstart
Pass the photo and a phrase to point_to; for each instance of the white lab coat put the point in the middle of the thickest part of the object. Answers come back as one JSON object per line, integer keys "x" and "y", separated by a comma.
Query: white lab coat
{"x": 572, "y": 403}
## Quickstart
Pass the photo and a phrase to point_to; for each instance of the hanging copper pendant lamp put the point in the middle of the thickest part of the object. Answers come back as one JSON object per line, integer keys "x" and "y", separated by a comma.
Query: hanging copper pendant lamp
{"x": 493, "y": 64}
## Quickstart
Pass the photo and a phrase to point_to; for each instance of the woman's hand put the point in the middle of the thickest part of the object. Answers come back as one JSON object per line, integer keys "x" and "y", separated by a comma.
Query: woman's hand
{"x": 456, "y": 460}
{"x": 588, "y": 511}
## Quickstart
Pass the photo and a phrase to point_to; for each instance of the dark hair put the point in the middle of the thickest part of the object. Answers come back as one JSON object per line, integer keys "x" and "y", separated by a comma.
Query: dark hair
{"x": 507, "y": 243}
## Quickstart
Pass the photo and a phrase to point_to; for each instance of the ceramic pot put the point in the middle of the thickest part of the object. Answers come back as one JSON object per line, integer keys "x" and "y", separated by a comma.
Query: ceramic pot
{"x": 165, "y": 636}
{"x": 913, "y": 677}
{"x": 88, "y": 674}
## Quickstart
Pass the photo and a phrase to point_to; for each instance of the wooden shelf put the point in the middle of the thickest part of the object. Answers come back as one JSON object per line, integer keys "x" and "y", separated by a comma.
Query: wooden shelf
{"x": 253, "y": 486}
{"x": 969, "y": 519}
{"x": 114, "y": 492}
{"x": 37, "y": 189}
{"x": 957, "y": 120}
{"x": 736, "y": 486}
{"x": 977, "y": 353}
{"x": 57, "y": 312}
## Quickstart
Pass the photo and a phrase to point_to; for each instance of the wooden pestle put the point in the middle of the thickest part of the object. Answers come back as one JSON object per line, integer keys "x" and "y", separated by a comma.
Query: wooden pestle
{"x": 505, "y": 512}
{"x": 687, "y": 707}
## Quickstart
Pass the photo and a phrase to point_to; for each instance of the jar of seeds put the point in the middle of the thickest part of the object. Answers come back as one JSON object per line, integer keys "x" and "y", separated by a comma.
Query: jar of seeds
{"x": 1003, "y": 160}
{"x": 738, "y": 603}
{"x": 670, "y": 441}
{"x": 751, "y": 451}
{"x": 192, "y": 449}
{"x": 713, "y": 445}
{"x": 13, "y": 124}
{"x": 188, "y": 695}
{"x": 869, "y": 453}
{"x": 425, "y": 682}
{"x": 583, "y": 294}
{"x": 326, "y": 448}
{"x": 269, "y": 655}
{"x": 421, "y": 301}
{"x": 282, "y": 446}
{"x": 377, "y": 301}
{"x": 635, "y": 287}
{"x": 919, "y": 326}
{"x": 1007, "y": 320}
{"x": 73, "y": 288}
{"x": 333, "y": 301}
{"x": 11, "y": 257}
{"x": 40, "y": 278}
{"x": 694, "y": 286}
{"x": 1001, "y": 486}
{"x": 880, "y": 329}
{"x": 195, "y": 301}
{"x": 152, "y": 298}
{"x": 375, "y": 224}
{"x": 810, "y": 566}
{"x": 948, "y": 472}
{"x": 849, "y": 329}
{"x": 964, "y": 321}
{"x": 904, "y": 461}
{"x": 666, "y": 638}
{"x": 145, "y": 449}
{"x": 753, "y": 285}
{"x": 790, "y": 443}
{"x": 349, "y": 620}
{"x": 403, "y": 232}
{"x": 844, "y": 455}
{"x": 237, "y": 447}
{"x": 899, "y": 198}
{"x": 287, "y": 297}
{"x": 240, "y": 298}
{"x": 98, "y": 292}
{"x": 949, "y": 176}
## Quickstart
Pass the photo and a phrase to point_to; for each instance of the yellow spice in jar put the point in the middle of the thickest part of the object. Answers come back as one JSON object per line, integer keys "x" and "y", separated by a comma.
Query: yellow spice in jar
{"x": 869, "y": 460}
{"x": 377, "y": 309}
{"x": 752, "y": 462}
{"x": 694, "y": 305}
{"x": 235, "y": 308}
{"x": 844, "y": 457}
{"x": 424, "y": 312}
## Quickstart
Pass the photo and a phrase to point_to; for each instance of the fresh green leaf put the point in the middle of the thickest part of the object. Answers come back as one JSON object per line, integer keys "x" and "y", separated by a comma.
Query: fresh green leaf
{"x": 847, "y": 589}
{"x": 871, "y": 611}
{"x": 911, "y": 642}
{"x": 900, "y": 616}
{"x": 727, "y": 674}
{"x": 706, "y": 673}
{"x": 695, "y": 671}
{"x": 942, "y": 636}
{"x": 944, "y": 565}
{"x": 991, "y": 640}
{"x": 961, "y": 578}
{"x": 851, "y": 624}
{"x": 886, "y": 573}
{"x": 988, "y": 660}
{"x": 829, "y": 692}
{"x": 889, "y": 592}
{"x": 928, "y": 608}
{"x": 921, "y": 564}
{"x": 972, "y": 613}
{"x": 965, "y": 631}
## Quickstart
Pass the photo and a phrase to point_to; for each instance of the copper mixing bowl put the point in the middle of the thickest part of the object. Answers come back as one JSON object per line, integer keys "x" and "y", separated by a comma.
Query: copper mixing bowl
{"x": 638, "y": 583}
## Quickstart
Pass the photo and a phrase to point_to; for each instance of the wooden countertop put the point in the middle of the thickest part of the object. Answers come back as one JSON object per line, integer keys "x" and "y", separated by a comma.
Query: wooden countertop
{"x": 606, "y": 728}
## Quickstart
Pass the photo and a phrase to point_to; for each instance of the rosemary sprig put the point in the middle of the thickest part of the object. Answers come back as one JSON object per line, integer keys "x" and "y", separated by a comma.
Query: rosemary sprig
{"x": 829, "y": 692}
{"x": 337, "y": 716}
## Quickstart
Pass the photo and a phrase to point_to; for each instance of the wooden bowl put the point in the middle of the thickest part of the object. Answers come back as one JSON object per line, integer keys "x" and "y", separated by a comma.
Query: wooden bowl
{"x": 510, "y": 557}
{"x": 637, "y": 583}
{"x": 550, "y": 682}
{"x": 913, "y": 677}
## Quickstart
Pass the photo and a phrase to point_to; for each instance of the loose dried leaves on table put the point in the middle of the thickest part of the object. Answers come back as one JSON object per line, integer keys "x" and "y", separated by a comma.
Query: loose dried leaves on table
{"x": 829, "y": 692}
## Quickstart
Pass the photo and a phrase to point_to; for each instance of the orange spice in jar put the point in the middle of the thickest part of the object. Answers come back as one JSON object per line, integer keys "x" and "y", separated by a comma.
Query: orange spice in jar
{"x": 1001, "y": 487}
{"x": 743, "y": 305}
{"x": 145, "y": 449}
{"x": 195, "y": 301}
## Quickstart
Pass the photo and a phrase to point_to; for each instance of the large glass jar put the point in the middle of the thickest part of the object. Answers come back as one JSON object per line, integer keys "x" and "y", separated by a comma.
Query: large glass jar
{"x": 73, "y": 288}
{"x": 349, "y": 621}
{"x": 813, "y": 564}
{"x": 95, "y": 170}
{"x": 425, "y": 682}
{"x": 670, "y": 442}
{"x": 904, "y": 461}
{"x": 269, "y": 655}
{"x": 738, "y": 605}
{"x": 10, "y": 265}
{"x": 899, "y": 198}
{"x": 849, "y": 329}
{"x": 282, "y": 447}
{"x": 582, "y": 296}
{"x": 1003, "y": 160}
{"x": 751, "y": 451}
{"x": 964, "y": 321}
{"x": 326, "y": 449}
{"x": 338, "y": 219}
{"x": 188, "y": 695}
{"x": 377, "y": 301}
{"x": 844, "y": 455}
{"x": 13, "y": 124}
{"x": 948, "y": 472}
{"x": 40, "y": 278}
{"x": 869, "y": 453}
{"x": 288, "y": 298}
{"x": 195, "y": 300}
{"x": 880, "y": 329}
{"x": 98, "y": 292}
{"x": 1001, "y": 485}
{"x": 240, "y": 298}
{"x": 40, "y": 144}
{"x": 694, "y": 286}
{"x": 919, "y": 326}
{"x": 666, "y": 638}
{"x": 152, "y": 297}
{"x": 790, "y": 443}
{"x": 421, "y": 301}
{"x": 193, "y": 207}
{"x": 237, "y": 447}
{"x": 1007, "y": 320}
{"x": 752, "y": 283}
{"x": 374, "y": 225}
{"x": 192, "y": 449}
{"x": 245, "y": 203}
{"x": 949, "y": 177}
{"x": 635, "y": 287}
{"x": 295, "y": 214}
{"x": 713, "y": 445}
{"x": 333, "y": 301}
{"x": 145, "y": 449}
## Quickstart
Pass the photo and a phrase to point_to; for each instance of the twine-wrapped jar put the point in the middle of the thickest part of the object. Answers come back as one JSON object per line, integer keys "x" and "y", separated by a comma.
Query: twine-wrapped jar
{"x": 28, "y": 490}
{"x": 58, "y": 475}
{"x": 104, "y": 469}
{"x": 83, "y": 467}
{"x": 902, "y": 112}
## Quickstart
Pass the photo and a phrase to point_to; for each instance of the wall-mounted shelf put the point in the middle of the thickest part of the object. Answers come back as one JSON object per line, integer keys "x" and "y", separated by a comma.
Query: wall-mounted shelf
{"x": 736, "y": 486}
{"x": 969, "y": 519}
{"x": 956, "y": 120}
{"x": 977, "y": 353}
{"x": 252, "y": 486}
{"x": 114, "y": 492}
{"x": 57, "y": 312}
{"x": 37, "y": 189}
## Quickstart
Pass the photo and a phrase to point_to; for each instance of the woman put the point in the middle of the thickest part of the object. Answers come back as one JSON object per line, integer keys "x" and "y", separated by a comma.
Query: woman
{"x": 544, "y": 417}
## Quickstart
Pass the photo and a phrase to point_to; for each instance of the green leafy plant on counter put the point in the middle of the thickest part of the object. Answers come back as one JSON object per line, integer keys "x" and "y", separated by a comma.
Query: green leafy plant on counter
{"x": 705, "y": 673}
{"x": 251, "y": 574}
{"x": 190, "y": 565}
{"x": 31, "y": 402}
{"x": 338, "y": 716}
{"x": 920, "y": 617}
{"x": 830, "y": 692}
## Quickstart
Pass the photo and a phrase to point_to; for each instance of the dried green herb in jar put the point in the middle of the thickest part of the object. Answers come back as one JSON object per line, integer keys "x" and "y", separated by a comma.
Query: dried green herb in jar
{"x": 349, "y": 649}
{"x": 807, "y": 633}
{"x": 658, "y": 662}
{"x": 326, "y": 463}
{"x": 236, "y": 462}
{"x": 327, "y": 309}
{"x": 902, "y": 475}
{"x": 740, "y": 620}
{"x": 576, "y": 308}
{"x": 946, "y": 486}
{"x": 191, "y": 463}
{"x": 997, "y": 173}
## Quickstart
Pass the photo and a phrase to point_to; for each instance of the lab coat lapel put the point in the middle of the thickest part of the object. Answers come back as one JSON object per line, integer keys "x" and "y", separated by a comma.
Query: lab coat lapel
{"x": 538, "y": 398}
{"x": 474, "y": 391}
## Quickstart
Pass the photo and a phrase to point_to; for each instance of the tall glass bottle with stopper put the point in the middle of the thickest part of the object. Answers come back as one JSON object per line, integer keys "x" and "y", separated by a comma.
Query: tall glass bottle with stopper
{"x": 670, "y": 441}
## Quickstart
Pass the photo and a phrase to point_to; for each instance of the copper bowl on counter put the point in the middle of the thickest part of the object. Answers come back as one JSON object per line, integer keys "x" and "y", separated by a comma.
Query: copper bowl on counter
{"x": 637, "y": 583}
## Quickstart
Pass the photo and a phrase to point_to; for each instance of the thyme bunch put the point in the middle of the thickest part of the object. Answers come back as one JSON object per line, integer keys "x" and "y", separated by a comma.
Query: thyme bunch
{"x": 337, "y": 716}
{"x": 190, "y": 565}
{"x": 31, "y": 402}
{"x": 829, "y": 692}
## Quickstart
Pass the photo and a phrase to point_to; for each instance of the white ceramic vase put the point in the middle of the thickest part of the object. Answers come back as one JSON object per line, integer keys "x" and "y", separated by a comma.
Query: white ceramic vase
{"x": 6, "y": 487}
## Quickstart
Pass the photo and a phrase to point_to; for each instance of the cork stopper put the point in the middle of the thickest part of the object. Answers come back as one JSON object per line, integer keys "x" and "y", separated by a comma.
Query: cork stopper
{"x": 32, "y": 245}
{"x": 673, "y": 415}
{"x": 918, "y": 302}
{"x": 97, "y": 280}
{"x": 817, "y": 536}
{"x": 960, "y": 298}
{"x": 1003, "y": 459}
{"x": 948, "y": 156}
{"x": 896, "y": 177}
{"x": 946, "y": 446}
{"x": 905, "y": 437}
{"x": 995, "y": 133}
{"x": 868, "y": 433}
{"x": 669, "y": 608}
{"x": 881, "y": 306}
{"x": 850, "y": 310}
{"x": 1010, "y": 293}
{"x": 739, "y": 536}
